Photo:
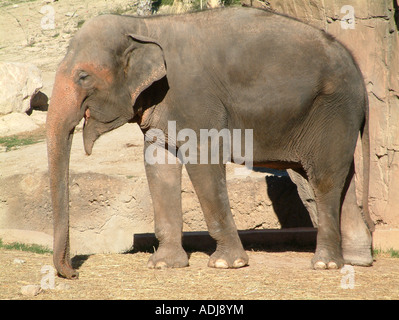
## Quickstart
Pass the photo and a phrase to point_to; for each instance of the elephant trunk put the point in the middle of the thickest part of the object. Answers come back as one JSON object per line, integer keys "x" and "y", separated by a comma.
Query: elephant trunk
{"x": 63, "y": 115}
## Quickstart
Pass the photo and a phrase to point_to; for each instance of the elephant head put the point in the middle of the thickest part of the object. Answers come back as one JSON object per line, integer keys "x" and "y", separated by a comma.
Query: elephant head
{"x": 102, "y": 78}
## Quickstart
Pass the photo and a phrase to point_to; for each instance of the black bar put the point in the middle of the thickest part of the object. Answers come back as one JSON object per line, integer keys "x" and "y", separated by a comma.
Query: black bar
{"x": 299, "y": 238}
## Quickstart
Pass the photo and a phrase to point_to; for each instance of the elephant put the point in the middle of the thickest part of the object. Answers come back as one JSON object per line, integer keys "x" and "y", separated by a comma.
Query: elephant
{"x": 296, "y": 87}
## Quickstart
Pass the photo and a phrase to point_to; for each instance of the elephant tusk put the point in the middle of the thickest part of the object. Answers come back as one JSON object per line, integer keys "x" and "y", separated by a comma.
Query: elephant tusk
{"x": 87, "y": 113}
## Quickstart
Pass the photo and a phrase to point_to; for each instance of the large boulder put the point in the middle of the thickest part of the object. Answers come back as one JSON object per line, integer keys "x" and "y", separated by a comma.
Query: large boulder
{"x": 19, "y": 82}
{"x": 15, "y": 123}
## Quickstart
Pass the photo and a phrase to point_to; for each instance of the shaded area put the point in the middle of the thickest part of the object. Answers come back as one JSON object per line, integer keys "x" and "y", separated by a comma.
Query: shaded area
{"x": 79, "y": 260}
{"x": 276, "y": 240}
{"x": 286, "y": 202}
{"x": 296, "y": 233}
{"x": 38, "y": 102}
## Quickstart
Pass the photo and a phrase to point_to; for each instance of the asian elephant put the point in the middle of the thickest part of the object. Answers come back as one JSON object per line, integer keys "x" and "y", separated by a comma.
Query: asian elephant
{"x": 297, "y": 88}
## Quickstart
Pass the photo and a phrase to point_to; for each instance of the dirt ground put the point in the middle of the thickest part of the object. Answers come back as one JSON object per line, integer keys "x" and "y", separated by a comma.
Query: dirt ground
{"x": 270, "y": 275}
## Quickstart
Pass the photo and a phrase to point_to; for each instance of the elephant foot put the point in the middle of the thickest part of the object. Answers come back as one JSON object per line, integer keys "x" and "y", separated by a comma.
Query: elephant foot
{"x": 358, "y": 256}
{"x": 225, "y": 259}
{"x": 324, "y": 259}
{"x": 168, "y": 257}
{"x": 357, "y": 248}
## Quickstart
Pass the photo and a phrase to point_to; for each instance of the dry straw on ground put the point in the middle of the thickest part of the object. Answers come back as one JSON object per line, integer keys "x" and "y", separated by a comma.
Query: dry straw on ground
{"x": 270, "y": 275}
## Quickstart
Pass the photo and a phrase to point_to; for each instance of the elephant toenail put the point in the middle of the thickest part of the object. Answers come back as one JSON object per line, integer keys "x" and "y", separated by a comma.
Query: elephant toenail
{"x": 332, "y": 265}
{"x": 320, "y": 265}
{"x": 221, "y": 264}
{"x": 161, "y": 265}
{"x": 239, "y": 263}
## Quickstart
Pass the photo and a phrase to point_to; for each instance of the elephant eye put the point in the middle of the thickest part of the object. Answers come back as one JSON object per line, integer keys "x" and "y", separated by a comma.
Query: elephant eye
{"x": 83, "y": 75}
{"x": 84, "y": 79}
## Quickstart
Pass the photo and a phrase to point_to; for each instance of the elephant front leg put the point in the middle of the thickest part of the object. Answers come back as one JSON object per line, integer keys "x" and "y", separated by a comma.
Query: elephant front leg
{"x": 164, "y": 181}
{"x": 209, "y": 182}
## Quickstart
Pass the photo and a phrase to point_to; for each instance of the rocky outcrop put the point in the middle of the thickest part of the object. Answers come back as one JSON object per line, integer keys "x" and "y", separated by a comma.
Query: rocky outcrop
{"x": 19, "y": 82}
{"x": 19, "y": 95}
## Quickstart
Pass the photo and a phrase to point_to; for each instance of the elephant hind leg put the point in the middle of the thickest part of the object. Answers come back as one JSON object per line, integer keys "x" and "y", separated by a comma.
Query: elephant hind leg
{"x": 356, "y": 236}
{"x": 323, "y": 205}
{"x": 327, "y": 182}
{"x": 328, "y": 253}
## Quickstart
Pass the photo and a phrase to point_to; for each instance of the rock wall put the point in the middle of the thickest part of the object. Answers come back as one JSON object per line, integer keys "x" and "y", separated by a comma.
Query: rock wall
{"x": 369, "y": 28}
{"x": 107, "y": 210}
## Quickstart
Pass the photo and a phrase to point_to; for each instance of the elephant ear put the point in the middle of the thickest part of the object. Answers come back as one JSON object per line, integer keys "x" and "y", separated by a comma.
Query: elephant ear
{"x": 144, "y": 64}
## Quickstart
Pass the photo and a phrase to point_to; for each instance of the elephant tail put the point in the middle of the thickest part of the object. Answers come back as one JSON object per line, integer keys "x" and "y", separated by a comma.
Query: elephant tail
{"x": 365, "y": 138}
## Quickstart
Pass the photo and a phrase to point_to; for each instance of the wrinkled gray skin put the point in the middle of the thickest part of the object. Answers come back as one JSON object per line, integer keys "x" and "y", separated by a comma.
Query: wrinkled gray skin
{"x": 298, "y": 89}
